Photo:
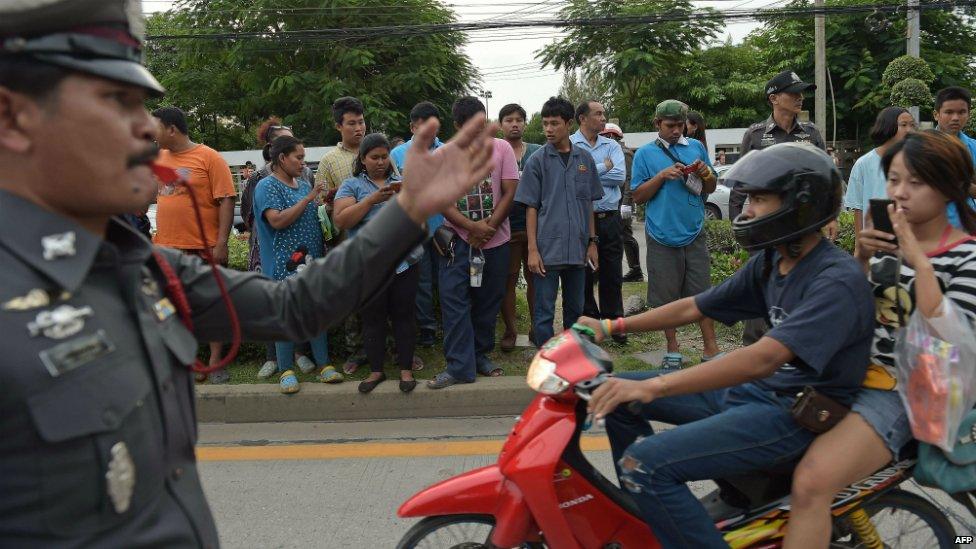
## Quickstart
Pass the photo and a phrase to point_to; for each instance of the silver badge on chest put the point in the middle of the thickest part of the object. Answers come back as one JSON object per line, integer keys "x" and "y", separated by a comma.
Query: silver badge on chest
{"x": 120, "y": 477}
{"x": 58, "y": 245}
{"x": 65, "y": 321}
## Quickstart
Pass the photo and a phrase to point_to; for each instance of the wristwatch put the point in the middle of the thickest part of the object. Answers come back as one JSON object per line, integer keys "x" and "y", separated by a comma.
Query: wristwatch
{"x": 594, "y": 240}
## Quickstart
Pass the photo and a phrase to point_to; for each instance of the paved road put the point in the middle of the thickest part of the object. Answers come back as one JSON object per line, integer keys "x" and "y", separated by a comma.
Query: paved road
{"x": 338, "y": 485}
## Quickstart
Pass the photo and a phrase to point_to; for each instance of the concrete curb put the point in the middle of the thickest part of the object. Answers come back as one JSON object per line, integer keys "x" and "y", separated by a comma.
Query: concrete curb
{"x": 506, "y": 395}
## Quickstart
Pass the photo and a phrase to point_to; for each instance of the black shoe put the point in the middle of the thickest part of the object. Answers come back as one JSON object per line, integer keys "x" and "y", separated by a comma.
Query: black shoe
{"x": 407, "y": 386}
{"x": 634, "y": 275}
{"x": 368, "y": 386}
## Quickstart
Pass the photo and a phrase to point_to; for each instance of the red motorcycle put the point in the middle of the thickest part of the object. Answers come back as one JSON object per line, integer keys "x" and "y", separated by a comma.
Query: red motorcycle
{"x": 543, "y": 492}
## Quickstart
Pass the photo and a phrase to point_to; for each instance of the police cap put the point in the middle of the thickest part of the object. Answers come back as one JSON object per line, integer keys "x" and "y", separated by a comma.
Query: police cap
{"x": 787, "y": 82}
{"x": 98, "y": 37}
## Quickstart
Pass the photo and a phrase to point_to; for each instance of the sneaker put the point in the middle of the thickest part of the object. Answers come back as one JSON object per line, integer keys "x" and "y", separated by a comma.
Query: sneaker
{"x": 672, "y": 361}
{"x": 219, "y": 377}
{"x": 305, "y": 364}
{"x": 267, "y": 369}
{"x": 330, "y": 375}
{"x": 288, "y": 383}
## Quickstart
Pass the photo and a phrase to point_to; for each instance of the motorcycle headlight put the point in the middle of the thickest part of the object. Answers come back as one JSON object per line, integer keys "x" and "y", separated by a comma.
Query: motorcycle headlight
{"x": 542, "y": 377}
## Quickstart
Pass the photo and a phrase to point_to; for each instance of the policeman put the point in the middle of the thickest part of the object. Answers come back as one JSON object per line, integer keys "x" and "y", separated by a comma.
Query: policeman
{"x": 784, "y": 93}
{"x": 98, "y": 423}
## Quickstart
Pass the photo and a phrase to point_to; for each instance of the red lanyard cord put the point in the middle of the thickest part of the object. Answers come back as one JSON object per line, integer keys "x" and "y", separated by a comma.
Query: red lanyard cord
{"x": 174, "y": 288}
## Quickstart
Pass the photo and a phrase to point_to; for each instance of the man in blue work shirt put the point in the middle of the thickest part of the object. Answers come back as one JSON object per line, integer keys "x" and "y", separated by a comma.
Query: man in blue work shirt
{"x": 672, "y": 174}
{"x": 426, "y": 320}
{"x": 610, "y": 166}
{"x": 559, "y": 184}
{"x": 953, "y": 107}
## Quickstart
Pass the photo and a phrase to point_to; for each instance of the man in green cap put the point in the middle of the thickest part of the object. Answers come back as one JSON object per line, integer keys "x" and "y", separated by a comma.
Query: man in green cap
{"x": 672, "y": 174}
{"x": 98, "y": 431}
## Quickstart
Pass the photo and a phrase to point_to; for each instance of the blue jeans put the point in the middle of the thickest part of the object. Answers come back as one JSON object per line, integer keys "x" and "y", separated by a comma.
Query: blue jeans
{"x": 426, "y": 320}
{"x": 721, "y": 433}
{"x": 470, "y": 314}
{"x": 546, "y": 288}
{"x": 285, "y": 352}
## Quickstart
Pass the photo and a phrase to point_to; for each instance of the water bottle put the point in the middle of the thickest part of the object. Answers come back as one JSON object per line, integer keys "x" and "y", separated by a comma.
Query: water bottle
{"x": 476, "y": 266}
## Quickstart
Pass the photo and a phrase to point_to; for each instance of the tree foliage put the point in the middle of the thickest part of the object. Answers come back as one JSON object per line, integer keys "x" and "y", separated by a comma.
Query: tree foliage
{"x": 858, "y": 50}
{"x": 229, "y": 85}
{"x": 577, "y": 88}
{"x": 631, "y": 59}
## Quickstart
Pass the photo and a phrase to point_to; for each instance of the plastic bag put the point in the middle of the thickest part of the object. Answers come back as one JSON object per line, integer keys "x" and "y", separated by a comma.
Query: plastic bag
{"x": 935, "y": 362}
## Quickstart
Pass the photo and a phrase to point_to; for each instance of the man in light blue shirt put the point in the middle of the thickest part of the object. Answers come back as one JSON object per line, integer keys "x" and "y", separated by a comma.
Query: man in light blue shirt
{"x": 611, "y": 168}
{"x": 671, "y": 174}
{"x": 426, "y": 319}
{"x": 953, "y": 107}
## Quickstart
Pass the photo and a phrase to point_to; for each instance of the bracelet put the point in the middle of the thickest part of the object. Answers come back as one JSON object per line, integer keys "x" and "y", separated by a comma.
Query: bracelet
{"x": 606, "y": 327}
{"x": 619, "y": 325}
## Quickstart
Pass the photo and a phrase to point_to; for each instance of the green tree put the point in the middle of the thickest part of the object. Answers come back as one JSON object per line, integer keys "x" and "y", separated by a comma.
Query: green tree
{"x": 859, "y": 47}
{"x": 272, "y": 60}
{"x": 533, "y": 130}
{"x": 631, "y": 58}
{"x": 577, "y": 87}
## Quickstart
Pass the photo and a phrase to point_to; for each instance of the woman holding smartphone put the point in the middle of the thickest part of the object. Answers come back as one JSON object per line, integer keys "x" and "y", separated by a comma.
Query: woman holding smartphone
{"x": 289, "y": 239}
{"x": 931, "y": 261}
{"x": 359, "y": 198}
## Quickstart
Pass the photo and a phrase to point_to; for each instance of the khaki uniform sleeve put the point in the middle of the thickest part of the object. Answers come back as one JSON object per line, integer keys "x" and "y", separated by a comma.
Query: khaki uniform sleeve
{"x": 307, "y": 304}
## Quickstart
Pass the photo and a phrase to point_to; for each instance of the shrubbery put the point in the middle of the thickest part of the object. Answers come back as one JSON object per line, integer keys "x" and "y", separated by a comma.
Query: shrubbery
{"x": 727, "y": 256}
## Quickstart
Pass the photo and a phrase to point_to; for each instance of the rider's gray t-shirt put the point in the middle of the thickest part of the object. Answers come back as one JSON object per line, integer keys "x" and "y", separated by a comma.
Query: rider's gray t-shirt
{"x": 822, "y": 310}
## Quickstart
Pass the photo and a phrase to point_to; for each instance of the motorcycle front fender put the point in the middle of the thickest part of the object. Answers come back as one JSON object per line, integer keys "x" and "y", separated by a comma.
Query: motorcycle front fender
{"x": 483, "y": 491}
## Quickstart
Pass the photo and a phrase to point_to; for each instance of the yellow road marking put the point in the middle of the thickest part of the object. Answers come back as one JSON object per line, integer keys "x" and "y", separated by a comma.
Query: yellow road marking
{"x": 353, "y": 450}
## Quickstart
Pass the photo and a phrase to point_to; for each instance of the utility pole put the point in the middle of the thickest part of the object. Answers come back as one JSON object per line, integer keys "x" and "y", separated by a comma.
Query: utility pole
{"x": 820, "y": 68}
{"x": 486, "y": 94}
{"x": 914, "y": 37}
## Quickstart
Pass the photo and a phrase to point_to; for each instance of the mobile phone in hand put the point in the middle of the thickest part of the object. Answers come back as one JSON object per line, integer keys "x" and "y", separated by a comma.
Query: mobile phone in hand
{"x": 879, "y": 216}
{"x": 688, "y": 170}
{"x": 396, "y": 186}
{"x": 589, "y": 263}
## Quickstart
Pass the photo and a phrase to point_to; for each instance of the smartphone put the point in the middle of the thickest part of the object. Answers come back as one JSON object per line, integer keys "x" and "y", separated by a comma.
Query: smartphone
{"x": 688, "y": 170}
{"x": 879, "y": 216}
{"x": 396, "y": 186}
{"x": 589, "y": 263}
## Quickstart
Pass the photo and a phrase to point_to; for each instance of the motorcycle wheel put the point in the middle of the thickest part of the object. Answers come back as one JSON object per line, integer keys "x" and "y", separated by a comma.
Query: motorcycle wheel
{"x": 454, "y": 532}
{"x": 902, "y": 519}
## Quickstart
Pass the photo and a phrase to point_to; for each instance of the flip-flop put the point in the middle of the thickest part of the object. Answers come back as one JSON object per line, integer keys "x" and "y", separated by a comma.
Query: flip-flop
{"x": 350, "y": 367}
{"x": 706, "y": 358}
{"x": 417, "y": 364}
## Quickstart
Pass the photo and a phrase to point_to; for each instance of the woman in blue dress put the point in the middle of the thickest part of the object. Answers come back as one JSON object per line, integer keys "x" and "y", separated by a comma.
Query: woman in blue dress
{"x": 289, "y": 237}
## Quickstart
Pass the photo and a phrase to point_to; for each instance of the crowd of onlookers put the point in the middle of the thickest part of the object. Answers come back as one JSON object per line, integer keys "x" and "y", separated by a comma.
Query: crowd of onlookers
{"x": 557, "y": 214}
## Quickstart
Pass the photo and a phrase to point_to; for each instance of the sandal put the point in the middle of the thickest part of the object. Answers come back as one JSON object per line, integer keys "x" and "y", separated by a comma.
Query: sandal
{"x": 672, "y": 361}
{"x": 488, "y": 368}
{"x": 719, "y": 354}
{"x": 288, "y": 382}
{"x": 330, "y": 375}
{"x": 417, "y": 364}
{"x": 350, "y": 367}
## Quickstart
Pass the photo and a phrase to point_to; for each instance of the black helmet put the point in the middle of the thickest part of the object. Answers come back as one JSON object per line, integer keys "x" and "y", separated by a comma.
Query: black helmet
{"x": 99, "y": 37}
{"x": 808, "y": 183}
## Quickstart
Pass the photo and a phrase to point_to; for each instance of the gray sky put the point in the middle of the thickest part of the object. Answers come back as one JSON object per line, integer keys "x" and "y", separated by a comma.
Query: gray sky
{"x": 506, "y": 58}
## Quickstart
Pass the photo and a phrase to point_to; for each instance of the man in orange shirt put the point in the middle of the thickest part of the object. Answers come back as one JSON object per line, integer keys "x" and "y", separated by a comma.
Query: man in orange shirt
{"x": 210, "y": 178}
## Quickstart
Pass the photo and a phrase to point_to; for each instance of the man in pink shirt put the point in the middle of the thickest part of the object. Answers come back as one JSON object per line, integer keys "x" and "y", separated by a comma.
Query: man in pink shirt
{"x": 472, "y": 284}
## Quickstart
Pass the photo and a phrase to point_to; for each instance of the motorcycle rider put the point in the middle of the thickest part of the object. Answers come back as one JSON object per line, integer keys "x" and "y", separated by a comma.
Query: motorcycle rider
{"x": 734, "y": 413}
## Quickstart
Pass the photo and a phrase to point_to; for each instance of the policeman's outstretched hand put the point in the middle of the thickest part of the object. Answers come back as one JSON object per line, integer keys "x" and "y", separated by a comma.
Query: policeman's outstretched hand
{"x": 433, "y": 180}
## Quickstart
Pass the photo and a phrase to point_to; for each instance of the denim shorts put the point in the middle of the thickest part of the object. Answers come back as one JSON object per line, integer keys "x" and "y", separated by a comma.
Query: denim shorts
{"x": 885, "y": 413}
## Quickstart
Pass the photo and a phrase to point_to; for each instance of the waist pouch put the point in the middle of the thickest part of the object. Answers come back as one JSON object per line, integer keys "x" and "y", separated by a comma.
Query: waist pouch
{"x": 817, "y": 412}
{"x": 443, "y": 242}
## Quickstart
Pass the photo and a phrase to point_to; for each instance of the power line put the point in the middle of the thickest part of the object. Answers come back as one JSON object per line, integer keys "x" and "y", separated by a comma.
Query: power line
{"x": 599, "y": 22}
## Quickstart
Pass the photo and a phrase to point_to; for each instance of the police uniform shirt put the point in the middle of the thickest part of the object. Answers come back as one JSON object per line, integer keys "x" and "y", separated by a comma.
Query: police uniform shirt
{"x": 99, "y": 426}
{"x": 767, "y": 133}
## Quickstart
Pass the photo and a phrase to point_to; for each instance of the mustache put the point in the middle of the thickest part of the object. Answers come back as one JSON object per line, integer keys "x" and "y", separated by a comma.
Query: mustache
{"x": 144, "y": 157}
